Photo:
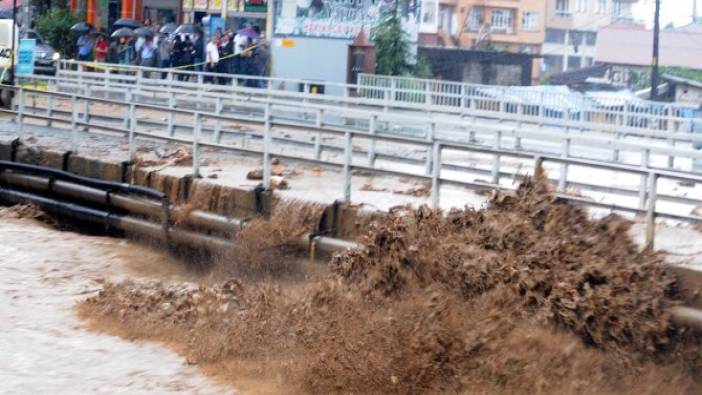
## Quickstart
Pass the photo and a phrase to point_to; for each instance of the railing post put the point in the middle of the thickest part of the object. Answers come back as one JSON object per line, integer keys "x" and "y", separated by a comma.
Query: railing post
{"x": 49, "y": 109}
{"x": 427, "y": 92}
{"x": 107, "y": 77}
{"x": 218, "y": 121}
{"x": 197, "y": 130}
{"x": 651, "y": 210}
{"x": 267, "y": 147}
{"x": 645, "y": 158}
{"x": 86, "y": 108}
{"x": 615, "y": 151}
{"x": 318, "y": 118}
{"x": 132, "y": 131}
{"x": 371, "y": 146}
{"x": 171, "y": 115}
{"x": 347, "y": 167}
{"x": 74, "y": 123}
{"x": 436, "y": 175}
{"x": 430, "y": 137}
{"x": 563, "y": 176}
{"x": 20, "y": 110}
{"x": 496, "y": 163}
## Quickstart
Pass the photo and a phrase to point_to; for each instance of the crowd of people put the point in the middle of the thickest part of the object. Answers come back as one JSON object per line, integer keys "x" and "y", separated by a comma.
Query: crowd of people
{"x": 244, "y": 52}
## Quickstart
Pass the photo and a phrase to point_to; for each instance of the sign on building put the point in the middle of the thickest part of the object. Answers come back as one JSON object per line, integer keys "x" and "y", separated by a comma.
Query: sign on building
{"x": 340, "y": 18}
{"x": 25, "y": 58}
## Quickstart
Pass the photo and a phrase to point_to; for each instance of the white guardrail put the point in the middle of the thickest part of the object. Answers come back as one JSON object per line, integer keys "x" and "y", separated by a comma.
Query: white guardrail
{"x": 602, "y": 112}
{"x": 652, "y": 149}
{"x": 441, "y": 162}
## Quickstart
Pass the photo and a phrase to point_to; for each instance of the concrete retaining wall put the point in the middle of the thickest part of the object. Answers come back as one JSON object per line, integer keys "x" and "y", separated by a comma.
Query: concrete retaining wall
{"x": 338, "y": 220}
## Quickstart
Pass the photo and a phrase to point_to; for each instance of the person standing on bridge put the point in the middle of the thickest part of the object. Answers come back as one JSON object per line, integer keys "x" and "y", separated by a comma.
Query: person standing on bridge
{"x": 85, "y": 48}
{"x": 101, "y": 47}
{"x": 125, "y": 52}
{"x": 165, "y": 47}
{"x": 212, "y": 57}
{"x": 148, "y": 55}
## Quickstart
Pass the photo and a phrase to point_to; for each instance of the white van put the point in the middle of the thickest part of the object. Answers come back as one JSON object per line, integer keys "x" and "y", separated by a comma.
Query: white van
{"x": 44, "y": 56}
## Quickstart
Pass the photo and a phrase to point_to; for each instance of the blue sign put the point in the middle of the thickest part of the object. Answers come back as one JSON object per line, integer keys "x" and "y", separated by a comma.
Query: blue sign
{"x": 25, "y": 58}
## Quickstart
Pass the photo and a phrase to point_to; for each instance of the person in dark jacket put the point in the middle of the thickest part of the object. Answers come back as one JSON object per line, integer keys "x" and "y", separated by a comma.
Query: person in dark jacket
{"x": 177, "y": 54}
{"x": 199, "y": 54}
{"x": 226, "y": 49}
{"x": 188, "y": 55}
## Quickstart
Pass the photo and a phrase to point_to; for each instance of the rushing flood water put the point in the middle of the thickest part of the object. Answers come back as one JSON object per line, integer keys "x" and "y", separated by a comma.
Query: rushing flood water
{"x": 45, "y": 349}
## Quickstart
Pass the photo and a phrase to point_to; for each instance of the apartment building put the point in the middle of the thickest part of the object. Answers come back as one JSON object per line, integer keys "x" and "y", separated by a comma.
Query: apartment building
{"x": 509, "y": 25}
{"x": 571, "y": 31}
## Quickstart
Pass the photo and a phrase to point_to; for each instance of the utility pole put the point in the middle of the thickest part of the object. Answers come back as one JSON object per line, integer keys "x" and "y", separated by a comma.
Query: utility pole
{"x": 14, "y": 39}
{"x": 656, "y": 34}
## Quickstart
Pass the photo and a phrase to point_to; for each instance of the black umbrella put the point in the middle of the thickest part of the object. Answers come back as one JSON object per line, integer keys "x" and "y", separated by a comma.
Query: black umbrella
{"x": 187, "y": 29}
{"x": 122, "y": 32}
{"x": 168, "y": 28}
{"x": 143, "y": 31}
{"x": 81, "y": 27}
{"x": 126, "y": 22}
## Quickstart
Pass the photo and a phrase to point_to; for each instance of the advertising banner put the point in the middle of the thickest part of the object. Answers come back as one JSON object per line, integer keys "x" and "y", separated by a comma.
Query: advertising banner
{"x": 25, "y": 57}
{"x": 339, "y": 18}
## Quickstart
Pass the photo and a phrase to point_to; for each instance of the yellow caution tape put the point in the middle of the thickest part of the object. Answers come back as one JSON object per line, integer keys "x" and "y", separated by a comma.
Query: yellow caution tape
{"x": 104, "y": 66}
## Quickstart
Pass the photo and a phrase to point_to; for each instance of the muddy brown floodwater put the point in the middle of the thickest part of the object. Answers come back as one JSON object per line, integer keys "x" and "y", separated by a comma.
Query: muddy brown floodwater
{"x": 525, "y": 295}
{"x": 44, "y": 347}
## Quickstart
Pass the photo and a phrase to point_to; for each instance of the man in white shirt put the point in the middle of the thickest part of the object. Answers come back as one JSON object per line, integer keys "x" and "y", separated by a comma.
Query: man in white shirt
{"x": 212, "y": 57}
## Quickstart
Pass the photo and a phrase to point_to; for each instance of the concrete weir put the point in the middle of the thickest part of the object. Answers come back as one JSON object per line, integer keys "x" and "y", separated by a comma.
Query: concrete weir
{"x": 122, "y": 197}
{"x": 130, "y": 200}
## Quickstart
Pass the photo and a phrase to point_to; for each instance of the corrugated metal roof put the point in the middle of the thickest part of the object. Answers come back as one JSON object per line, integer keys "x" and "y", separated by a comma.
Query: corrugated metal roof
{"x": 629, "y": 45}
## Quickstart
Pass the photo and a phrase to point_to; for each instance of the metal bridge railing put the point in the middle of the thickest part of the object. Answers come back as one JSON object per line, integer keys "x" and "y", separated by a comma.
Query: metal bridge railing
{"x": 438, "y": 153}
{"x": 516, "y": 104}
{"x": 648, "y": 147}
{"x": 561, "y": 108}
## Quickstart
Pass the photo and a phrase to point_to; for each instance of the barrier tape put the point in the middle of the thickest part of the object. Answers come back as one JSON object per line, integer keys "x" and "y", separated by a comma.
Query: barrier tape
{"x": 107, "y": 66}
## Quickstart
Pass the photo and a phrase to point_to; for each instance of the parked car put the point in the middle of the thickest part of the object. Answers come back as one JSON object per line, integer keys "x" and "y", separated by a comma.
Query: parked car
{"x": 45, "y": 56}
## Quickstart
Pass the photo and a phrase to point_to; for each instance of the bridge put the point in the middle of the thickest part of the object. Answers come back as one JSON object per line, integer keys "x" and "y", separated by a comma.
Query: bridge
{"x": 628, "y": 156}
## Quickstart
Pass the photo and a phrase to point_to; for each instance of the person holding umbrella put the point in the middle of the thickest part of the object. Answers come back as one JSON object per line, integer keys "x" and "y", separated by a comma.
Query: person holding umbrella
{"x": 85, "y": 47}
{"x": 125, "y": 51}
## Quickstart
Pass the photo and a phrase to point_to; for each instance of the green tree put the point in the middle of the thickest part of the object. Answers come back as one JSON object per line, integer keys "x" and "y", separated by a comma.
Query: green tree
{"x": 391, "y": 45}
{"x": 55, "y": 26}
{"x": 392, "y": 48}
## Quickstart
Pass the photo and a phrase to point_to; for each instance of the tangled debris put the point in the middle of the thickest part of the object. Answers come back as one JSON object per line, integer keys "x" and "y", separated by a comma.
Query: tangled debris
{"x": 527, "y": 295}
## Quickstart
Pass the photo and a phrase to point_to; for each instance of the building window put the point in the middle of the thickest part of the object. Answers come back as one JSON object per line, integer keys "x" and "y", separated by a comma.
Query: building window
{"x": 501, "y": 20}
{"x": 590, "y": 38}
{"x": 530, "y": 21}
{"x": 573, "y": 62}
{"x": 553, "y": 64}
{"x": 616, "y": 7}
{"x": 555, "y": 36}
{"x": 562, "y": 8}
{"x": 588, "y": 62}
{"x": 526, "y": 49}
{"x": 430, "y": 8}
{"x": 601, "y": 6}
{"x": 581, "y": 6}
{"x": 446, "y": 18}
{"x": 576, "y": 37}
{"x": 475, "y": 19}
